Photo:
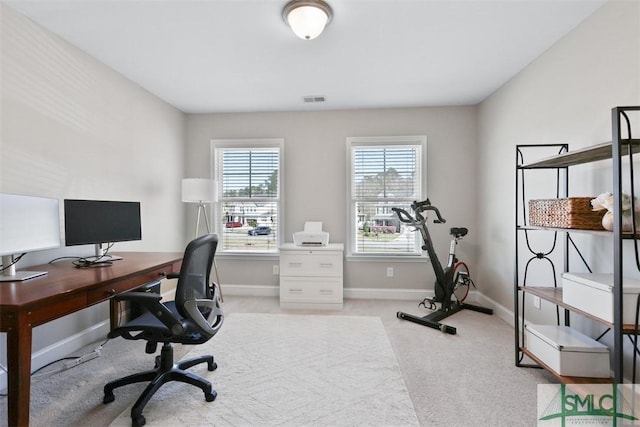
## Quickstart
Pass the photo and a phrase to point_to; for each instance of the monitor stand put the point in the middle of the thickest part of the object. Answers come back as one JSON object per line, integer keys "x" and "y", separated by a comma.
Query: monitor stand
{"x": 10, "y": 274}
{"x": 102, "y": 255}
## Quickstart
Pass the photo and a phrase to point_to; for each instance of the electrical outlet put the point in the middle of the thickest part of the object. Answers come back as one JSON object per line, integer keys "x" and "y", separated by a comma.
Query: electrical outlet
{"x": 536, "y": 302}
{"x": 276, "y": 269}
{"x": 389, "y": 271}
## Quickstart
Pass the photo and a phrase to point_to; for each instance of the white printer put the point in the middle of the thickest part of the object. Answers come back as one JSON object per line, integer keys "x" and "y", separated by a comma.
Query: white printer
{"x": 312, "y": 235}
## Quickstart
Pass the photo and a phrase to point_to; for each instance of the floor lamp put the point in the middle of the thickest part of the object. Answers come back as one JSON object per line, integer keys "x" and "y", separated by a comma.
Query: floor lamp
{"x": 201, "y": 191}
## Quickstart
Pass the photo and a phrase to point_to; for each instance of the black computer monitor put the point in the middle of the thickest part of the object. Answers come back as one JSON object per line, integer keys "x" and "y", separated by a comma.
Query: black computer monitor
{"x": 99, "y": 222}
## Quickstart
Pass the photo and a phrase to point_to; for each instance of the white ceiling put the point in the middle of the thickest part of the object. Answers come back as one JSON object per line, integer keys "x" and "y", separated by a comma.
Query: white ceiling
{"x": 239, "y": 55}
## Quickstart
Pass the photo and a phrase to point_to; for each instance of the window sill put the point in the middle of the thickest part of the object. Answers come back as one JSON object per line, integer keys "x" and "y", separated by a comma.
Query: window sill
{"x": 349, "y": 258}
{"x": 273, "y": 256}
{"x": 387, "y": 258}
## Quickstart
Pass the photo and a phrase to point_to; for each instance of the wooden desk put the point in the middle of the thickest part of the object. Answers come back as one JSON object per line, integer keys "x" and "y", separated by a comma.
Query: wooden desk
{"x": 64, "y": 290}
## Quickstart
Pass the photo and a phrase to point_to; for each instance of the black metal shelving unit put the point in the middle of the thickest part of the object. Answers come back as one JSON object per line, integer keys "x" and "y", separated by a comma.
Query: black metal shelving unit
{"x": 618, "y": 149}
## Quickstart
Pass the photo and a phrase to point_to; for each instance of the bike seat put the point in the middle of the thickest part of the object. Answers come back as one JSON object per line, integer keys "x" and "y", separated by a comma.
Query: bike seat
{"x": 458, "y": 231}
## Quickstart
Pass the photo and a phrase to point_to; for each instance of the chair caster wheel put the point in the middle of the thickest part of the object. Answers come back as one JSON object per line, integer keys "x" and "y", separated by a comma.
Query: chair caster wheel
{"x": 210, "y": 397}
{"x": 399, "y": 315}
{"x": 108, "y": 398}
{"x": 138, "y": 421}
{"x": 212, "y": 366}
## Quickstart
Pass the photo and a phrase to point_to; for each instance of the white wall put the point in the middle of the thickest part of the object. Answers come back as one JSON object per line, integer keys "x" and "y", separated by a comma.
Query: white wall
{"x": 564, "y": 96}
{"x": 316, "y": 183}
{"x": 73, "y": 128}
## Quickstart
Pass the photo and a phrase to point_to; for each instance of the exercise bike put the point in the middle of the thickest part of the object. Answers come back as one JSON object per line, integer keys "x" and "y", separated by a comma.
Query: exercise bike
{"x": 452, "y": 282}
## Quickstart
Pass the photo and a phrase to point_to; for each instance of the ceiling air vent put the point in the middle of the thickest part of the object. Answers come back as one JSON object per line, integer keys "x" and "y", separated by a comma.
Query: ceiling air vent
{"x": 313, "y": 98}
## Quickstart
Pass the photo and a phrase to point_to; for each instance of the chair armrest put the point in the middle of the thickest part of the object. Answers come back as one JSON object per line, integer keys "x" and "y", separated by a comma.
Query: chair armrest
{"x": 173, "y": 275}
{"x": 204, "y": 323}
{"x": 144, "y": 298}
{"x": 151, "y": 301}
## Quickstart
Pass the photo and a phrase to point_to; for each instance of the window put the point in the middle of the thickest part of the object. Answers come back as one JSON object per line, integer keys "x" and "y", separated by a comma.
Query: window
{"x": 249, "y": 194}
{"x": 384, "y": 172}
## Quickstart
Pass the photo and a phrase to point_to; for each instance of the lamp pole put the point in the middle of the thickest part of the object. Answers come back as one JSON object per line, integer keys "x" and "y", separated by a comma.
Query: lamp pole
{"x": 202, "y": 208}
{"x": 201, "y": 190}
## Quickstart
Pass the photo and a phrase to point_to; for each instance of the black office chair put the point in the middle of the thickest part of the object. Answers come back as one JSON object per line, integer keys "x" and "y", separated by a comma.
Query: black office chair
{"x": 192, "y": 318}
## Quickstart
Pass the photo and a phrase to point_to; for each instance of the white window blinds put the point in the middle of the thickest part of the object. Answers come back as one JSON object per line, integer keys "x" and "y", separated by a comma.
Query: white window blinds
{"x": 384, "y": 172}
{"x": 249, "y": 201}
{"x": 250, "y": 173}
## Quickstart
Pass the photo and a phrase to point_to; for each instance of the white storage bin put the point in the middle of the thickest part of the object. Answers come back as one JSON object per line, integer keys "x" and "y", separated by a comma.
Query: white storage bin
{"x": 592, "y": 292}
{"x": 567, "y": 351}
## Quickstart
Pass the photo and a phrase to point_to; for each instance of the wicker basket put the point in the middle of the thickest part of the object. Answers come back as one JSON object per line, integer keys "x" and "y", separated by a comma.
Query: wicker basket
{"x": 572, "y": 212}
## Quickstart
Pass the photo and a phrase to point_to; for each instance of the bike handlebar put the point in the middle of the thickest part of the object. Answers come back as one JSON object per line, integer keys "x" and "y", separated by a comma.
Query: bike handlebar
{"x": 418, "y": 208}
{"x": 426, "y": 205}
{"x": 405, "y": 217}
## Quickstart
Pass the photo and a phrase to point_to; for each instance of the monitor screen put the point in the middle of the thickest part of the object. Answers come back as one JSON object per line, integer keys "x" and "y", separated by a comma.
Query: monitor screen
{"x": 28, "y": 224}
{"x": 101, "y": 221}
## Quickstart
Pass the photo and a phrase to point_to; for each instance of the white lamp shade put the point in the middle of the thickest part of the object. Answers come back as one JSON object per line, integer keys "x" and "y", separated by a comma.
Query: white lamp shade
{"x": 196, "y": 190}
{"x": 307, "y": 22}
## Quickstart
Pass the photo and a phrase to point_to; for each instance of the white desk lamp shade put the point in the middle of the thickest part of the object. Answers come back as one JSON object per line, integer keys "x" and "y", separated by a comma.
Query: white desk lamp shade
{"x": 198, "y": 190}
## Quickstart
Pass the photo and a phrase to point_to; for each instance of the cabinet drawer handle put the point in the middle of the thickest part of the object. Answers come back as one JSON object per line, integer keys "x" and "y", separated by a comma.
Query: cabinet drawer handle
{"x": 295, "y": 291}
{"x": 326, "y": 291}
{"x": 326, "y": 265}
{"x": 111, "y": 292}
{"x": 295, "y": 264}
{"x": 162, "y": 274}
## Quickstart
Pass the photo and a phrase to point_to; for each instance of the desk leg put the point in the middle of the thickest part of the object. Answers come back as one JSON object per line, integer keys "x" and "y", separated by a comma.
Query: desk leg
{"x": 19, "y": 375}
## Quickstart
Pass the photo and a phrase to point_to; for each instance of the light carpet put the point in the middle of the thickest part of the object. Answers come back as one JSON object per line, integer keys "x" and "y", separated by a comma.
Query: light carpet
{"x": 283, "y": 369}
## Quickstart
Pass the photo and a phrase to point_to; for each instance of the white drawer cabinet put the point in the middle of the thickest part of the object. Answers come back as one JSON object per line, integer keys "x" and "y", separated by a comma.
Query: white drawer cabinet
{"x": 311, "y": 277}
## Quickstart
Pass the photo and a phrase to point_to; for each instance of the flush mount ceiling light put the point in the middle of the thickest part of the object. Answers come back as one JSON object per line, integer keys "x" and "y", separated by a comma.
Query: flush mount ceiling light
{"x": 307, "y": 18}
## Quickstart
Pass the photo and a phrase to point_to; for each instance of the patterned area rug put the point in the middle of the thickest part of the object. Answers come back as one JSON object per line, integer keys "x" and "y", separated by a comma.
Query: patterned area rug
{"x": 294, "y": 370}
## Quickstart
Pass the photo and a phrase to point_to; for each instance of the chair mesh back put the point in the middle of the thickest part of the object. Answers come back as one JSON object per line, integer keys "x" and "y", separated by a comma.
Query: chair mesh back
{"x": 193, "y": 282}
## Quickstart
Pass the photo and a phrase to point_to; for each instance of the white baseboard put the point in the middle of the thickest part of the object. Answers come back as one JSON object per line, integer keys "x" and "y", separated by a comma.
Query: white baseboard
{"x": 387, "y": 294}
{"x": 499, "y": 310}
{"x": 63, "y": 348}
{"x": 356, "y": 293}
{"x": 374, "y": 293}
{"x": 250, "y": 290}
{"x": 99, "y": 331}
